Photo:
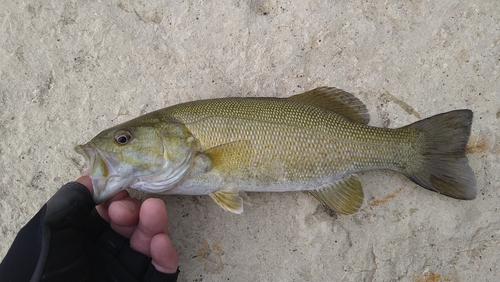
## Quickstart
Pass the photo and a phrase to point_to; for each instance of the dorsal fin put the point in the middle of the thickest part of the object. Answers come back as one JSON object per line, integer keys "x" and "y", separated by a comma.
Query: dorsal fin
{"x": 338, "y": 101}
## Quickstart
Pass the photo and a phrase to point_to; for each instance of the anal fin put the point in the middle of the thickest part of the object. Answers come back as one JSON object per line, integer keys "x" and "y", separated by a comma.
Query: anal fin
{"x": 230, "y": 199}
{"x": 344, "y": 197}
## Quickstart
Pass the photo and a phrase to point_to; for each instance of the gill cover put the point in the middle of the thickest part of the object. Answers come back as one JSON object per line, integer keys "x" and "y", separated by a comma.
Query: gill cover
{"x": 179, "y": 149}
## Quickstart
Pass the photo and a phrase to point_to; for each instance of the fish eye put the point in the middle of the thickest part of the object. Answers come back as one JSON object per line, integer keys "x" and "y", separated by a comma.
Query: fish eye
{"x": 123, "y": 137}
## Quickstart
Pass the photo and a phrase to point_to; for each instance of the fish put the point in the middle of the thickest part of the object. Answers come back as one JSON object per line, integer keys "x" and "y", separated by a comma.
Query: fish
{"x": 317, "y": 142}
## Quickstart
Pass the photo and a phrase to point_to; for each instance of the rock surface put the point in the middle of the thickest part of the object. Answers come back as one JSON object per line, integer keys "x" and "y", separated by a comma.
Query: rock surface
{"x": 69, "y": 69}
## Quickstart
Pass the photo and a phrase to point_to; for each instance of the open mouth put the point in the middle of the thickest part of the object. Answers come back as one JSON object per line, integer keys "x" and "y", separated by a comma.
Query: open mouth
{"x": 97, "y": 164}
{"x": 100, "y": 173}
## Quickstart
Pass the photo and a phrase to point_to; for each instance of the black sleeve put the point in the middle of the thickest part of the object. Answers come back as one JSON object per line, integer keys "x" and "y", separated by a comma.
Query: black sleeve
{"x": 68, "y": 241}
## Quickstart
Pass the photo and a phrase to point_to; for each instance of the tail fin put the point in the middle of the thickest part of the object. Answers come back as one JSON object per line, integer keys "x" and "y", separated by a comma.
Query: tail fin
{"x": 445, "y": 168}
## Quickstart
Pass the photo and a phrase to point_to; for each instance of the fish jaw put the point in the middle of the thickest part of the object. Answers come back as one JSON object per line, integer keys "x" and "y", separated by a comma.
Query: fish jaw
{"x": 106, "y": 181}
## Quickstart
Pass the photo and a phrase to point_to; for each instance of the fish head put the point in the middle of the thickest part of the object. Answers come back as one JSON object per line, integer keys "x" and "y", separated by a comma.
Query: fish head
{"x": 149, "y": 157}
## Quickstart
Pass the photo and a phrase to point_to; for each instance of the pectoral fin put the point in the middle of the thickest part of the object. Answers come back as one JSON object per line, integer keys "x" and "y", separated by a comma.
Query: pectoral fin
{"x": 231, "y": 155}
{"x": 231, "y": 200}
{"x": 344, "y": 197}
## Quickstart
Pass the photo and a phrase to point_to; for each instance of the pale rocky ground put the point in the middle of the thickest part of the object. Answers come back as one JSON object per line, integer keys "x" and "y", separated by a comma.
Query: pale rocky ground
{"x": 69, "y": 69}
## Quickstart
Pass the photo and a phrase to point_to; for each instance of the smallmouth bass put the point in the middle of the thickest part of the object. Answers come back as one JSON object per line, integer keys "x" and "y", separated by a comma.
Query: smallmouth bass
{"x": 315, "y": 142}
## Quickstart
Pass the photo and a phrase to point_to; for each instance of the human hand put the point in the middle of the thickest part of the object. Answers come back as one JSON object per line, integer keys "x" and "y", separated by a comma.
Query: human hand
{"x": 145, "y": 224}
{"x": 70, "y": 239}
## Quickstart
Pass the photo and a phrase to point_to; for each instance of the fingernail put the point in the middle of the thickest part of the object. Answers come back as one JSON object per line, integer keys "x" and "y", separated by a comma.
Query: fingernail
{"x": 128, "y": 204}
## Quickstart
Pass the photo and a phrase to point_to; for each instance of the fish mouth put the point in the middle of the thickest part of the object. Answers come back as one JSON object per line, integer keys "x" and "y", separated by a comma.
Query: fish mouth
{"x": 102, "y": 170}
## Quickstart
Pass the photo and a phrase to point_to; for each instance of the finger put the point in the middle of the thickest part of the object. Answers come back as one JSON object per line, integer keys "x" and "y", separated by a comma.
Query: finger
{"x": 85, "y": 180}
{"x": 120, "y": 195}
{"x": 164, "y": 256}
{"x": 124, "y": 216}
{"x": 152, "y": 221}
{"x": 102, "y": 209}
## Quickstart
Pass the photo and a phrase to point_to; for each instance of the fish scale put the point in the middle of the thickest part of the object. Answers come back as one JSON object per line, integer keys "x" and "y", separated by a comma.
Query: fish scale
{"x": 291, "y": 136}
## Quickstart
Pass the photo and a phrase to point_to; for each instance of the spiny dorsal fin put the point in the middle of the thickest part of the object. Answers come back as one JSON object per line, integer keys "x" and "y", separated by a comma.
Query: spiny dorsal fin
{"x": 230, "y": 199}
{"x": 338, "y": 101}
{"x": 344, "y": 197}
